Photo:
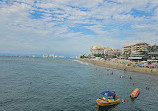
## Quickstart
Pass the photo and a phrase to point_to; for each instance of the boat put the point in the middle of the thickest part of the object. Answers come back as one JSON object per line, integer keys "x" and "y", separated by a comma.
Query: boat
{"x": 108, "y": 99}
{"x": 135, "y": 93}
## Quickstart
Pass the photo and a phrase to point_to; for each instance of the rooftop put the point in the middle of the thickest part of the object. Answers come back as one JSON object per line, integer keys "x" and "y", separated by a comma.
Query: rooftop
{"x": 143, "y": 43}
{"x": 101, "y": 47}
{"x": 127, "y": 46}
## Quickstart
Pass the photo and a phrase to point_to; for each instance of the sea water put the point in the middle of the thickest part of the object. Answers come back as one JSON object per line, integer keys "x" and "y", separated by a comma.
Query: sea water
{"x": 47, "y": 84}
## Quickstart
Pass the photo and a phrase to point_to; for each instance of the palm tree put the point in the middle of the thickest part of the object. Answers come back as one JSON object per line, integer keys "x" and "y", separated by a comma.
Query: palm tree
{"x": 153, "y": 48}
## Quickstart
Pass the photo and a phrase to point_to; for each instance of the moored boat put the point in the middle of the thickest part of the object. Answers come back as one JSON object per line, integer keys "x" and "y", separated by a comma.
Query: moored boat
{"x": 107, "y": 102}
{"x": 108, "y": 99}
{"x": 135, "y": 93}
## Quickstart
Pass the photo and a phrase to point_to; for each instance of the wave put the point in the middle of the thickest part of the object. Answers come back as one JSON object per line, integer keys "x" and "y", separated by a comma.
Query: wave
{"x": 81, "y": 62}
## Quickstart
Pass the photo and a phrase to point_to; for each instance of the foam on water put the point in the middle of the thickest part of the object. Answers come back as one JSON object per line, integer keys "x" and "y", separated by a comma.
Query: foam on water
{"x": 81, "y": 62}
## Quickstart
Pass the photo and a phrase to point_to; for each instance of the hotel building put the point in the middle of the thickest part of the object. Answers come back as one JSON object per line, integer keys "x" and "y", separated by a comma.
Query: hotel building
{"x": 126, "y": 51}
{"x": 136, "y": 50}
{"x": 139, "y": 49}
{"x": 104, "y": 50}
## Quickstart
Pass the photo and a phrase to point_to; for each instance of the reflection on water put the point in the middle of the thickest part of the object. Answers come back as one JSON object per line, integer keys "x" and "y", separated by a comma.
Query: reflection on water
{"x": 106, "y": 108}
{"x": 132, "y": 100}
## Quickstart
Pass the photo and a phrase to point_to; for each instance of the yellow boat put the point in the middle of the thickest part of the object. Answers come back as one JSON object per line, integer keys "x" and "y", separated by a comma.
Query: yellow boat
{"x": 108, "y": 99}
{"x": 107, "y": 102}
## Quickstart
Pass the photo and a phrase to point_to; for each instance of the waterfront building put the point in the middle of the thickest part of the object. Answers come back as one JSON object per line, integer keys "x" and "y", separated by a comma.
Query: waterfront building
{"x": 136, "y": 50}
{"x": 139, "y": 49}
{"x": 153, "y": 55}
{"x": 45, "y": 56}
{"x": 51, "y": 56}
{"x": 99, "y": 50}
{"x": 153, "y": 52}
{"x": 126, "y": 51}
{"x": 117, "y": 52}
{"x": 61, "y": 57}
{"x": 106, "y": 51}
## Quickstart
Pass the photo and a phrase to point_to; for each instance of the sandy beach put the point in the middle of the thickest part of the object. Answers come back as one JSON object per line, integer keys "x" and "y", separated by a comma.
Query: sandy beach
{"x": 122, "y": 65}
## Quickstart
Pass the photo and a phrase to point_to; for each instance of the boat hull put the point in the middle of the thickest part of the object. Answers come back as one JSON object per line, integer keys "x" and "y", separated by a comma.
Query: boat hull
{"x": 101, "y": 102}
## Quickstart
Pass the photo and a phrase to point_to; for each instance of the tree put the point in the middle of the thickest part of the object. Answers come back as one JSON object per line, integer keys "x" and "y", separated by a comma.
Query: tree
{"x": 99, "y": 55}
{"x": 83, "y": 56}
{"x": 127, "y": 53}
{"x": 153, "y": 48}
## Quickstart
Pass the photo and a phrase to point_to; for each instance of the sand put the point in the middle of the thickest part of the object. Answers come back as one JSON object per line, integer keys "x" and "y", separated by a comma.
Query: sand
{"x": 122, "y": 65}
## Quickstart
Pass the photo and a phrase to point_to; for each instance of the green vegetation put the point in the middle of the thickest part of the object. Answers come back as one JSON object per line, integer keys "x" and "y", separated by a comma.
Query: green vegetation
{"x": 99, "y": 55}
{"x": 143, "y": 52}
{"x": 83, "y": 56}
{"x": 153, "y": 48}
{"x": 127, "y": 54}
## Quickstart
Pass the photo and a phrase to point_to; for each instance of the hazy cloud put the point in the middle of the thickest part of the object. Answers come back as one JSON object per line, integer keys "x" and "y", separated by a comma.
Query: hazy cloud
{"x": 70, "y": 27}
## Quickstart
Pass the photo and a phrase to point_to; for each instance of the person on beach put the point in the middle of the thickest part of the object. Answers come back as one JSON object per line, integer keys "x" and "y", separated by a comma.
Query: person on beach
{"x": 130, "y": 78}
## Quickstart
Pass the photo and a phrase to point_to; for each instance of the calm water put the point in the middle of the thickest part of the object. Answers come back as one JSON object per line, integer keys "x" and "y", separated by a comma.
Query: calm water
{"x": 41, "y": 84}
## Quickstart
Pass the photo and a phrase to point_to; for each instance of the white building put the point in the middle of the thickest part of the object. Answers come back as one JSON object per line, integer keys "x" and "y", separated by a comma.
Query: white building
{"x": 51, "y": 55}
{"x": 103, "y": 50}
{"x": 45, "y": 56}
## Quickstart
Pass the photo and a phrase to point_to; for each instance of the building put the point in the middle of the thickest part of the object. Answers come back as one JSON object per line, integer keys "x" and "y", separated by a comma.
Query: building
{"x": 96, "y": 50}
{"x": 153, "y": 55}
{"x": 51, "y": 56}
{"x": 139, "y": 49}
{"x": 106, "y": 51}
{"x": 126, "y": 51}
{"x": 117, "y": 52}
{"x": 45, "y": 56}
{"x": 153, "y": 52}
{"x": 137, "y": 59}
{"x": 99, "y": 50}
{"x": 136, "y": 50}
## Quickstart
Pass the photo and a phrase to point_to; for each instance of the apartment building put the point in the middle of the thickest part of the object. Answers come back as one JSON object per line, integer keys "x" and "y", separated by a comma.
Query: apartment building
{"x": 104, "y": 50}
{"x": 139, "y": 49}
{"x": 126, "y": 51}
{"x": 99, "y": 50}
{"x": 153, "y": 55}
{"x": 136, "y": 50}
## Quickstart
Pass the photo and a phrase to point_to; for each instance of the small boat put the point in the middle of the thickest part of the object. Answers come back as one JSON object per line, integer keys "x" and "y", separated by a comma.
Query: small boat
{"x": 108, "y": 99}
{"x": 135, "y": 93}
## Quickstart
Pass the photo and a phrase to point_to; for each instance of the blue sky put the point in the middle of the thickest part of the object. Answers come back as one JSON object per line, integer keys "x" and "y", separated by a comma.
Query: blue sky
{"x": 71, "y": 27}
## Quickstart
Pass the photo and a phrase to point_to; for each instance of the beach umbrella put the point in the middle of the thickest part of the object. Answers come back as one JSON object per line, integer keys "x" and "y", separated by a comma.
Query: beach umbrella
{"x": 147, "y": 65}
{"x": 151, "y": 65}
{"x": 107, "y": 93}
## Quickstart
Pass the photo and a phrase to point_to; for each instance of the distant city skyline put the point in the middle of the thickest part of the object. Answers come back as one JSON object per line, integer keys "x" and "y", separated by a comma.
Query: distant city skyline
{"x": 71, "y": 27}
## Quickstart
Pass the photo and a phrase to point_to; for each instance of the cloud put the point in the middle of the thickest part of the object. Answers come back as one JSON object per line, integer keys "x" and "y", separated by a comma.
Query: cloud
{"x": 72, "y": 26}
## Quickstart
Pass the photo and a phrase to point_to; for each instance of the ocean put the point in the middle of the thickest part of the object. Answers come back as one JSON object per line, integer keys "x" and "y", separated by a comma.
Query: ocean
{"x": 48, "y": 84}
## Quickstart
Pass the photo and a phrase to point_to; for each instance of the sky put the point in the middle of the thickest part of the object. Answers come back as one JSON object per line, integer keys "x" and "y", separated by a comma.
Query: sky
{"x": 71, "y": 27}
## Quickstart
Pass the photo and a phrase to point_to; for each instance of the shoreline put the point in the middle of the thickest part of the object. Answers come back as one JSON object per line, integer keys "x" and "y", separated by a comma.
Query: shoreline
{"x": 120, "y": 66}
